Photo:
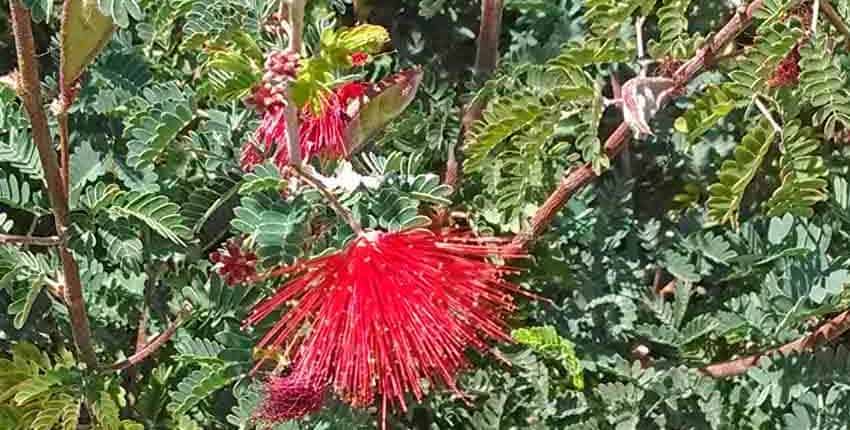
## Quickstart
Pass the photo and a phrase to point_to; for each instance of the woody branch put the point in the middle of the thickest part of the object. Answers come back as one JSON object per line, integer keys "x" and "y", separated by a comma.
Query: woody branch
{"x": 29, "y": 91}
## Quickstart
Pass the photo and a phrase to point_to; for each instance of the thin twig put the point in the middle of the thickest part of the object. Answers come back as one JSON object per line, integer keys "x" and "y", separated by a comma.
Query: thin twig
{"x": 829, "y": 331}
{"x": 30, "y": 94}
{"x": 767, "y": 114}
{"x": 154, "y": 345}
{"x": 580, "y": 177}
{"x": 815, "y": 17}
{"x": 6, "y": 239}
{"x": 329, "y": 197}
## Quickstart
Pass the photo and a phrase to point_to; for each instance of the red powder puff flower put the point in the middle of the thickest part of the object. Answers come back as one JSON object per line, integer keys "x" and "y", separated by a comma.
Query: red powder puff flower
{"x": 392, "y": 310}
{"x": 359, "y": 59}
{"x": 322, "y": 128}
{"x": 233, "y": 263}
{"x": 290, "y": 397}
{"x": 788, "y": 72}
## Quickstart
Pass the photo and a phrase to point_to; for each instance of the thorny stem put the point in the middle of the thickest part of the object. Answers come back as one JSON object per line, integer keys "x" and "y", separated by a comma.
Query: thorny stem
{"x": 337, "y": 207}
{"x": 6, "y": 239}
{"x": 30, "y": 94}
{"x": 154, "y": 345}
{"x": 64, "y": 149}
{"x": 829, "y": 331}
{"x": 580, "y": 177}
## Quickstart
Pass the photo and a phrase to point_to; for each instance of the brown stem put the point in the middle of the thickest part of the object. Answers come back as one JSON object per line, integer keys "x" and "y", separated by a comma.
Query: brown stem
{"x": 486, "y": 61}
{"x": 64, "y": 150}
{"x": 296, "y": 25}
{"x": 30, "y": 94}
{"x": 487, "y": 56}
{"x": 154, "y": 345}
{"x": 296, "y": 28}
{"x": 329, "y": 197}
{"x": 825, "y": 333}
{"x": 615, "y": 144}
{"x": 6, "y": 239}
{"x": 836, "y": 20}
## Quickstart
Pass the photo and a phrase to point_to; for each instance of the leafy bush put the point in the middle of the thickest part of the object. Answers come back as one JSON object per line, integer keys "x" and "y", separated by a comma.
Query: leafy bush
{"x": 219, "y": 215}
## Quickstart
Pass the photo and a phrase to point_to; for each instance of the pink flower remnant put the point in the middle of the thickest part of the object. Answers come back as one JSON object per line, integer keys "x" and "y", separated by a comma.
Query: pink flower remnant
{"x": 290, "y": 397}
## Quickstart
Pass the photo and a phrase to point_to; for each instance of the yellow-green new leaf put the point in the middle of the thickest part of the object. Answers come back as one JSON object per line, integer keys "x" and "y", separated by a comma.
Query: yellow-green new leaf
{"x": 85, "y": 32}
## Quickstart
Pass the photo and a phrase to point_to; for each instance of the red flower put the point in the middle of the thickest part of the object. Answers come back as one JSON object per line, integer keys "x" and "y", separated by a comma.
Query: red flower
{"x": 788, "y": 72}
{"x": 290, "y": 397}
{"x": 392, "y": 310}
{"x": 251, "y": 157}
{"x": 359, "y": 59}
{"x": 233, "y": 263}
{"x": 322, "y": 129}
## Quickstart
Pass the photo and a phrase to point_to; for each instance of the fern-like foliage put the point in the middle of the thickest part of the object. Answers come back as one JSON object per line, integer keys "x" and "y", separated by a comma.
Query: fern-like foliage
{"x": 43, "y": 393}
{"x": 674, "y": 40}
{"x": 157, "y": 133}
{"x": 736, "y": 174}
{"x": 606, "y": 17}
{"x": 824, "y": 85}
{"x": 708, "y": 109}
{"x": 18, "y": 194}
{"x": 155, "y": 211}
{"x": 802, "y": 171}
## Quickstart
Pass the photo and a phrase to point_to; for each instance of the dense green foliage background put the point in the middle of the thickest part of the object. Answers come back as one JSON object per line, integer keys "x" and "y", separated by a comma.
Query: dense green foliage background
{"x": 759, "y": 258}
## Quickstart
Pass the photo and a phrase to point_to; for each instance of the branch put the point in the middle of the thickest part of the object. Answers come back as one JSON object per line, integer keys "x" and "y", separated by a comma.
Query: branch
{"x": 155, "y": 344}
{"x": 825, "y": 333}
{"x": 486, "y": 61}
{"x": 340, "y": 210}
{"x": 487, "y": 56}
{"x": 30, "y": 94}
{"x": 6, "y": 239}
{"x": 836, "y": 20}
{"x": 580, "y": 177}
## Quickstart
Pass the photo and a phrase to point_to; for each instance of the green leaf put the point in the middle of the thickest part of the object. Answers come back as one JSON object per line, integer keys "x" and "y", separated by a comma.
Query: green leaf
{"x": 726, "y": 195}
{"x": 19, "y": 151}
{"x": 803, "y": 173}
{"x": 708, "y": 110}
{"x": 86, "y": 167}
{"x": 155, "y": 211}
{"x": 16, "y": 193}
{"x": 196, "y": 387}
{"x": 24, "y": 298}
{"x": 121, "y": 10}
{"x": 85, "y": 31}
